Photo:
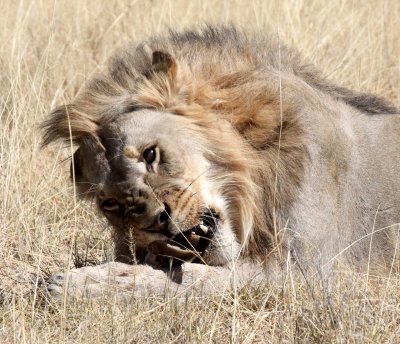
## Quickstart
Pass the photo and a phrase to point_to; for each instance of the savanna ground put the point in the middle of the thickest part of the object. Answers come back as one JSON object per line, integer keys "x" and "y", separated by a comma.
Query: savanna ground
{"x": 48, "y": 49}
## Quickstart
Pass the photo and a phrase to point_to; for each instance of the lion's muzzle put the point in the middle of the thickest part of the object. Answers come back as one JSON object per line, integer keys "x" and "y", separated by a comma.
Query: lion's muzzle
{"x": 172, "y": 223}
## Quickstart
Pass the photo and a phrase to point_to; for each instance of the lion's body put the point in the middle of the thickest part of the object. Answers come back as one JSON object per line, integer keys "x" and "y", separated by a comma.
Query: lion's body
{"x": 295, "y": 167}
{"x": 347, "y": 205}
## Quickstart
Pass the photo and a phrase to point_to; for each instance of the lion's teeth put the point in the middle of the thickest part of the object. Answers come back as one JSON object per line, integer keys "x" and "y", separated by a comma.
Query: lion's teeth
{"x": 203, "y": 228}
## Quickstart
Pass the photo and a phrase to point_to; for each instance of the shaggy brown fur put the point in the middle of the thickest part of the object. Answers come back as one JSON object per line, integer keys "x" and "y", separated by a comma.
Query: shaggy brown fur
{"x": 243, "y": 93}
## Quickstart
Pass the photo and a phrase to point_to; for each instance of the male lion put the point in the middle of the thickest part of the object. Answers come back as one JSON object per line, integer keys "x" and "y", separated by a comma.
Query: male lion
{"x": 225, "y": 150}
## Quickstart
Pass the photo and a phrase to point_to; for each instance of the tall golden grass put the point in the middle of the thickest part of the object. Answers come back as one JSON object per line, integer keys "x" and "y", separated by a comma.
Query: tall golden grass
{"x": 48, "y": 49}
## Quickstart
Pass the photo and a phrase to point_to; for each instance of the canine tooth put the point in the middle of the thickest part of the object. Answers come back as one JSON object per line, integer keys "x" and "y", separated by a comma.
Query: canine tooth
{"x": 204, "y": 228}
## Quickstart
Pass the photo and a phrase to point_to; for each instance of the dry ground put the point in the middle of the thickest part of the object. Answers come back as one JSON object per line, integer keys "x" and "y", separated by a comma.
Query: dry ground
{"x": 48, "y": 49}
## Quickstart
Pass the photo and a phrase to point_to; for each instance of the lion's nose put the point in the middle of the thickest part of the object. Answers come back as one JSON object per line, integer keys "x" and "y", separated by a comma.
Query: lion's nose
{"x": 134, "y": 208}
{"x": 163, "y": 219}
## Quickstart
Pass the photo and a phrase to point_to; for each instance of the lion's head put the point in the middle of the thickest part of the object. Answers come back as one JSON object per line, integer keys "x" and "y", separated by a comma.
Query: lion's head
{"x": 160, "y": 172}
{"x": 151, "y": 174}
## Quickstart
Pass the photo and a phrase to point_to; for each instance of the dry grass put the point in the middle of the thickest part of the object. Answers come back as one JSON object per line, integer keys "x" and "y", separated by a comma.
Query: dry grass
{"x": 47, "y": 50}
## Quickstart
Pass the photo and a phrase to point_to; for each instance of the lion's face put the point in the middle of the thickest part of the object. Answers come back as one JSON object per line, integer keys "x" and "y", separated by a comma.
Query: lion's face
{"x": 149, "y": 175}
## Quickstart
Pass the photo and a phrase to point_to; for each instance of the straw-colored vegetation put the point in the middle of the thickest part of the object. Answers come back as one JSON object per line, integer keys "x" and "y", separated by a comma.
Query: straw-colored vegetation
{"x": 47, "y": 51}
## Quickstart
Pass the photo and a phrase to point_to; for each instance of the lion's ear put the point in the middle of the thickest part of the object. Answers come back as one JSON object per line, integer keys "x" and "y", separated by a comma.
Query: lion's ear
{"x": 67, "y": 123}
{"x": 89, "y": 166}
{"x": 163, "y": 62}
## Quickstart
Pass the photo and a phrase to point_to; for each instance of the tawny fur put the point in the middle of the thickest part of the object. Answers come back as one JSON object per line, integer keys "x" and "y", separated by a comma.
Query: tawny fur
{"x": 245, "y": 95}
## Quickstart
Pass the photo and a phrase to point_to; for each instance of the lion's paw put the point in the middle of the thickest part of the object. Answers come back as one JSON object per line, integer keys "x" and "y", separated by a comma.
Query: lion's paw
{"x": 55, "y": 284}
{"x": 94, "y": 281}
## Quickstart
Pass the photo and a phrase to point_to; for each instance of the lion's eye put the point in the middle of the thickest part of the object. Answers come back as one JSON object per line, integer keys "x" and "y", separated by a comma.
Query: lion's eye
{"x": 109, "y": 205}
{"x": 149, "y": 155}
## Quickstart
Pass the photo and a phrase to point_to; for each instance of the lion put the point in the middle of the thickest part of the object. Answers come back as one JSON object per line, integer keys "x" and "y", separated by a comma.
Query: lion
{"x": 215, "y": 150}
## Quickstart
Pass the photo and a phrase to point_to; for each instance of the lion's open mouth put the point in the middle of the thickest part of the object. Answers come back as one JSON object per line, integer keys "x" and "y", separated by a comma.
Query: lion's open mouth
{"x": 205, "y": 231}
{"x": 189, "y": 245}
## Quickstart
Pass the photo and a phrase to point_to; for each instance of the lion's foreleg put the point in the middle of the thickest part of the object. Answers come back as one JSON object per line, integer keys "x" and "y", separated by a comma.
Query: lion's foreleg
{"x": 143, "y": 280}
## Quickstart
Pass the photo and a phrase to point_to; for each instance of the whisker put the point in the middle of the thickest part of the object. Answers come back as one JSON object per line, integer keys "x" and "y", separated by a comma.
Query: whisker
{"x": 195, "y": 179}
